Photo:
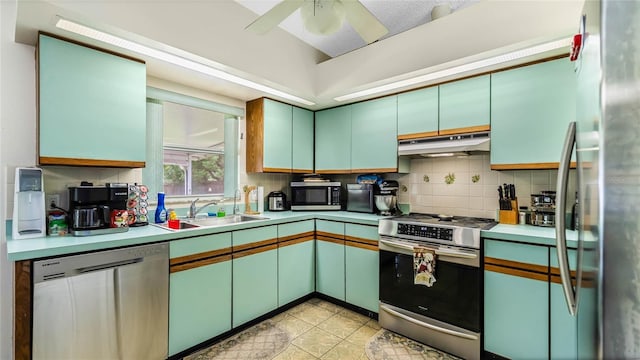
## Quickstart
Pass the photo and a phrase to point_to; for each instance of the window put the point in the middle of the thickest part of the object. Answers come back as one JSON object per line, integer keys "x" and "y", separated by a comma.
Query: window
{"x": 193, "y": 150}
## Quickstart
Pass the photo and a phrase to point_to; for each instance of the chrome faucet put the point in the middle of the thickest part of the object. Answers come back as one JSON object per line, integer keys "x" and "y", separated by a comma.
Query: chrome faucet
{"x": 193, "y": 211}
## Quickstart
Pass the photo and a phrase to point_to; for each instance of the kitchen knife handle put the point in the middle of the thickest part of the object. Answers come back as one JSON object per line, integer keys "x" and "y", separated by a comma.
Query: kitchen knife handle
{"x": 561, "y": 205}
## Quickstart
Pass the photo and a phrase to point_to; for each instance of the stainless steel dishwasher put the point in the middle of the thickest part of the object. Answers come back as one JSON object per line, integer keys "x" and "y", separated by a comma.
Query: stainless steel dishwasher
{"x": 106, "y": 305}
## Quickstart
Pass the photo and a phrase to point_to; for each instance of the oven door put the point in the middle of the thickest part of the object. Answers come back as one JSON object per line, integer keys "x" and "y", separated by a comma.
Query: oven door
{"x": 455, "y": 296}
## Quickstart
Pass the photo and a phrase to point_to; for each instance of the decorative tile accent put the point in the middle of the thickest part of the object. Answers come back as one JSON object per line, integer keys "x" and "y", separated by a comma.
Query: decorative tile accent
{"x": 425, "y": 178}
{"x": 388, "y": 345}
{"x": 450, "y": 178}
{"x": 262, "y": 341}
{"x": 475, "y": 178}
{"x": 404, "y": 188}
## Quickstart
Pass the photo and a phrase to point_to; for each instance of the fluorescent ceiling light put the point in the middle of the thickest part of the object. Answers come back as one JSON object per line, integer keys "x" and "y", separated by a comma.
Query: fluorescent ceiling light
{"x": 173, "y": 59}
{"x": 538, "y": 49}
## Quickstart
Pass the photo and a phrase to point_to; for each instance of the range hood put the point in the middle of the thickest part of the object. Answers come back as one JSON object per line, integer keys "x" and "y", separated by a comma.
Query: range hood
{"x": 448, "y": 145}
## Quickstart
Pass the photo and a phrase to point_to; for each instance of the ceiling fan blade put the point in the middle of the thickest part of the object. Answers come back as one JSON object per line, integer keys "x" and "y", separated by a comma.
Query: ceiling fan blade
{"x": 273, "y": 17}
{"x": 363, "y": 21}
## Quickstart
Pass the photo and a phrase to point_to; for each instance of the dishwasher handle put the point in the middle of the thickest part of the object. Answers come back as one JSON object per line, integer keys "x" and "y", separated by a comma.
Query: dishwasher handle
{"x": 111, "y": 265}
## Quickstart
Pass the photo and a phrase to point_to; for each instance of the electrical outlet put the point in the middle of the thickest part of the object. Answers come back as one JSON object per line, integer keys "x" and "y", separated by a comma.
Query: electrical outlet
{"x": 52, "y": 199}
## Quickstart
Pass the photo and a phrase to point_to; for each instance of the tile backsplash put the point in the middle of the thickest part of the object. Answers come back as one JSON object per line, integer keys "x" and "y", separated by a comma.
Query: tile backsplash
{"x": 467, "y": 186}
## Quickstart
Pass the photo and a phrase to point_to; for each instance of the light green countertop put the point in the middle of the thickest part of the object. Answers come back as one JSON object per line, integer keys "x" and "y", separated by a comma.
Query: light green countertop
{"x": 529, "y": 234}
{"x": 54, "y": 245}
{"x": 25, "y": 249}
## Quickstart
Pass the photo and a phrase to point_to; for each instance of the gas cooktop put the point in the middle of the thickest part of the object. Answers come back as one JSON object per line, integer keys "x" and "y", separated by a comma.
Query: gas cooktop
{"x": 434, "y": 219}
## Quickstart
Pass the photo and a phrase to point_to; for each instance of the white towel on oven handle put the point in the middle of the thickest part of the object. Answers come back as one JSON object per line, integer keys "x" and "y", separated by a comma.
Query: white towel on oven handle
{"x": 424, "y": 266}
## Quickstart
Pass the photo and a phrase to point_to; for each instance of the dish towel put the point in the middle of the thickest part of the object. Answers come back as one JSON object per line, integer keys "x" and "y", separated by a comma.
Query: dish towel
{"x": 424, "y": 266}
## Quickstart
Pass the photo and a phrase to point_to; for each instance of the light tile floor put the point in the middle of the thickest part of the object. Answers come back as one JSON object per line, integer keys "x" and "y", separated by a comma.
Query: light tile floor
{"x": 322, "y": 330}
{"x": 315, "y": 329}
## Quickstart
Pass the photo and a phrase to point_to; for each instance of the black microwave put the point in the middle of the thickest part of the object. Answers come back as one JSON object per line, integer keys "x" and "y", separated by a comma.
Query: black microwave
{"x": 315, "y": 195}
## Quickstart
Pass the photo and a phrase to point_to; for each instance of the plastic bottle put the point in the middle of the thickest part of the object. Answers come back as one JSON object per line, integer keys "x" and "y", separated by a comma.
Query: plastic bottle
{"x": 221, "y": 212}
{"x": 161, "y": 212}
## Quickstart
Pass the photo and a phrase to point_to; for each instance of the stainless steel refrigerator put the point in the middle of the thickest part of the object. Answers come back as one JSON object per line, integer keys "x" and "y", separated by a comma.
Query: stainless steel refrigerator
{"x": 605, "y": 295}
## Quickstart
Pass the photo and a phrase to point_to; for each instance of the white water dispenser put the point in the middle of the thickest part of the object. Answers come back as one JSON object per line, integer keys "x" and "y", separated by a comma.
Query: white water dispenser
{"x": 28, "y": 205}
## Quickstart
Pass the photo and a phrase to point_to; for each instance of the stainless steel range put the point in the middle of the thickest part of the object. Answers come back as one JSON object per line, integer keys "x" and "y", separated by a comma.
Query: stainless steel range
{"x": 445, "y": 310}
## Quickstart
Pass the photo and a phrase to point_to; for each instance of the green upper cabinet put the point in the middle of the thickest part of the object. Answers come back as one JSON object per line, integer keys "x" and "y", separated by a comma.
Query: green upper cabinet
{"x": 531, "y": 107}
{"x": 279, "y": 137}
{"x": 302, "y": 143}
{"x": 333, "y": 140}
{"x": 86, "y": 94}
{"x": 418, "y": 113}
{"x": 374, "y": 135}
{"x": 465, "y": 106}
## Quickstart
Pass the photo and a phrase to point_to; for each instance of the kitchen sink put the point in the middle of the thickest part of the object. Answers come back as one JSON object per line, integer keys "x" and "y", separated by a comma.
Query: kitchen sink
{"x": 231, "y": 219}
{"x": 211, "y": 222}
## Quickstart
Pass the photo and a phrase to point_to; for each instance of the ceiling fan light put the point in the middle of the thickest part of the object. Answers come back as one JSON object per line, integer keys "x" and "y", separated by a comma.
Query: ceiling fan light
{"x": 322, "y": 17}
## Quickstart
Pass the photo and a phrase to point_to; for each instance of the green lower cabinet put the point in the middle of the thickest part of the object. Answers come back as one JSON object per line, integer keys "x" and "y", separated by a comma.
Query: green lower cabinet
{"x": 330, "y": 269}
{"x": 361, "y": 272}
{"x": 516, "y": 316}
{"x": 199, "y": 305}
{"x": 296, "y": 271}
{"x": 255, "y": 285}
{"x": 564, "y": 326}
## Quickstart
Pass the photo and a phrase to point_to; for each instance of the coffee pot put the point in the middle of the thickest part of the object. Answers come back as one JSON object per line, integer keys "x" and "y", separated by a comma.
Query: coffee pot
{"x": 98, "y": 209}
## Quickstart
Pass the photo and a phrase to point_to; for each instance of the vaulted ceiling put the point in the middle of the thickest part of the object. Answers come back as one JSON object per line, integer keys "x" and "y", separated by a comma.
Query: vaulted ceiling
{"x": 213, "y": 32}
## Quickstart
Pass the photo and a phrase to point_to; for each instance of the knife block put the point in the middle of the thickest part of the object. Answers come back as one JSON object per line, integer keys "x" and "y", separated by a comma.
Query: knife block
{"x": 510, "y": 216}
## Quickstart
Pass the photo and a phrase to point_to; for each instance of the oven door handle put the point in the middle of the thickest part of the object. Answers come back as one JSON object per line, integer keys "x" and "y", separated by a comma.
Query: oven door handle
{"x": 430, "y": 326}
{"x": 438, "y": 251}
{"x": 453, "y": 253}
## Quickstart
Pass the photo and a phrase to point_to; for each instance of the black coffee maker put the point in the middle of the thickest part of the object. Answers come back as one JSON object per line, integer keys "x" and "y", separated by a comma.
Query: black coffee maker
{"x": 98, "y": 210}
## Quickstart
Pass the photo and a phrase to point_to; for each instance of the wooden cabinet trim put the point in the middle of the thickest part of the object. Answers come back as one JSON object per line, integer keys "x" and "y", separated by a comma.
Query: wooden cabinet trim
{"x": 516, "y": 272}
{"x": 255, "y": 135}
{"x": 470, "y": 129}
{"x": 46, "y": 160}
{"x": 22, "y": 310}
{"x": 199, "y": 256}
{"x": 516, "y": 265}
{"x": 340, "y": 171}
{"x": 418, "y": 135}
{"x": 199, "y": 263}
{"x": 253, "y": 251}
{"x": 252, "y": 245}
{"x": 329, "y": 235}
{"x": 296, "y": 241}
{"x": 360, "y": 245}
{"x": 306, "y": 234}
{"x": 301, "y": 171}
{"x": 330, "y": 239}
{"x": 276, "y": 170}
{"x": 379, "y": 170}
{"x": 531, "y": 166}
{"x": 361, "y": 240}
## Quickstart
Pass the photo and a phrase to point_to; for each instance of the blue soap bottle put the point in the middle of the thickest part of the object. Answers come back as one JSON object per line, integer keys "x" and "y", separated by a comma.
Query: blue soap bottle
{"x": 161, "y": 212}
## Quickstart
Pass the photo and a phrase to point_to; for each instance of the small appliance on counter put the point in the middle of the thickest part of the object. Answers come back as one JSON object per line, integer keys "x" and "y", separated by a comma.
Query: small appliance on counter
{"x": 315, "y": 193}
{"x": 360, "y": 198}
{"x": 543, "y": 209}
{"x": 277, "y": 201}
{"x": 28, "y": 208}
{"x": 387, "y": 198}
{"x": 98, "y": 210}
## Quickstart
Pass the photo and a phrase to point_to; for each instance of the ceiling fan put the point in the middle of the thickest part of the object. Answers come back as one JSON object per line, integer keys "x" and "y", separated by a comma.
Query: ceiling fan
{"x": 324, "y": 17}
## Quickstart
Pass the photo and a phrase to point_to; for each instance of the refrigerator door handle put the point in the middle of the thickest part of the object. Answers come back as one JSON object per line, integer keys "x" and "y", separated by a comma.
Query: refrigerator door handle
{"x": 561, "y": 205}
